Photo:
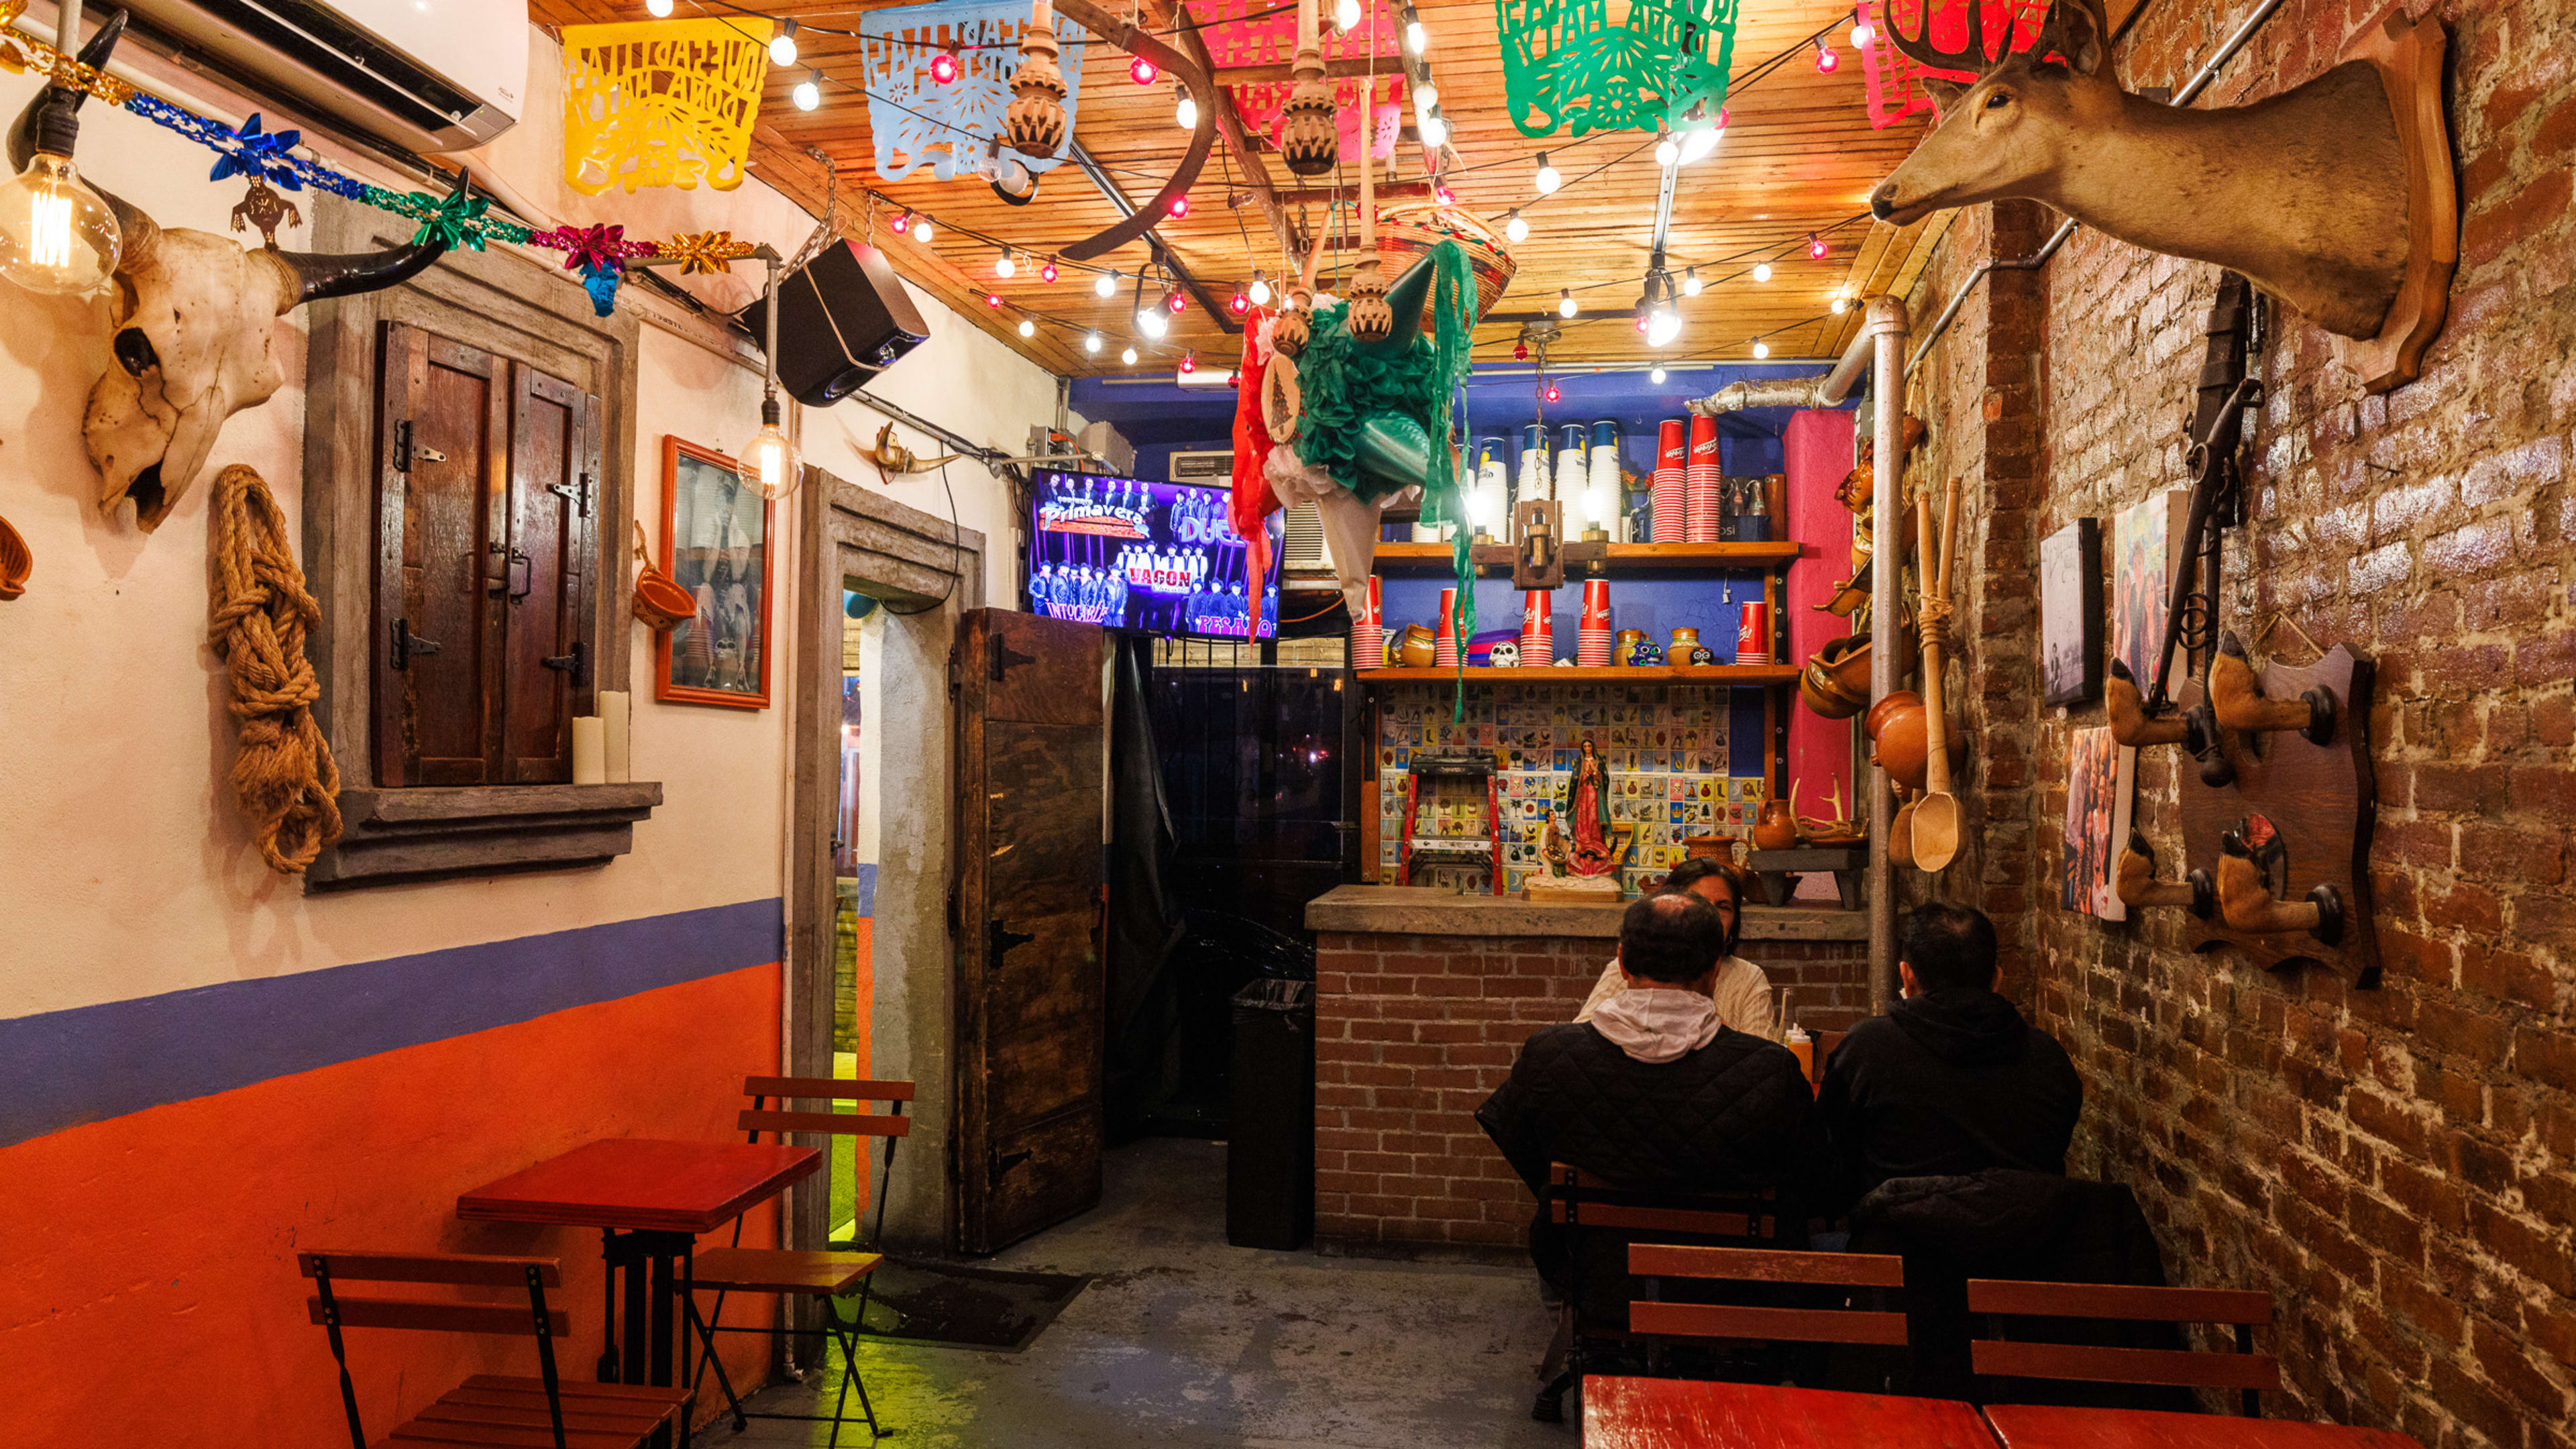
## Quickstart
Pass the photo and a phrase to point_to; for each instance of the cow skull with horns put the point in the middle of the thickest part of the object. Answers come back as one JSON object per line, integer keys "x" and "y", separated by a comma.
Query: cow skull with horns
{"x": 195, "y": 334}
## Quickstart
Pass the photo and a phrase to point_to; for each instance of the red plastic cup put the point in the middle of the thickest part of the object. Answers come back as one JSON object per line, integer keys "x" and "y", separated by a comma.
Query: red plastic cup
{"x": 1753, "y": 632}
{"x": 1538, "y": 629}
{"x": 1368, "y": 632}
{"x": 1444, "y": 650}
{"x": 1592, "y": 639}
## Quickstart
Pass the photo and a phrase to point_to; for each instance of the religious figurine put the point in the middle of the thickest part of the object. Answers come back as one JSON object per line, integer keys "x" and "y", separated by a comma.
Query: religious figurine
{"x": 1579, "y": 840}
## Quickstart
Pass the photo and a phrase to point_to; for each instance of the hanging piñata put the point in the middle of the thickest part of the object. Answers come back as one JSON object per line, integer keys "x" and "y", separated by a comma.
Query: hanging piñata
{"x": 1566, "y": 63}
{"x": 661, "y": 102}
{"x": 919, "y": 120}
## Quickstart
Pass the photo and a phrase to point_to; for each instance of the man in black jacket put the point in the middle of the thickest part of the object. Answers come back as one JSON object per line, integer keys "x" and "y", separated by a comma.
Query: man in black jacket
{"x": 1653, "y": 1093}
{"x": 1953, "y": 1081}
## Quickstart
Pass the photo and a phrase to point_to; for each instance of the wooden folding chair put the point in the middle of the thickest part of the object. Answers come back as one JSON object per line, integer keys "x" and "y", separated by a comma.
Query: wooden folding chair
{"x": 2244, "y": 1370}
{"x": 487, "y": 1409}
{"x": 1585, "y": 1205}
{"x": 825, "y": 1275}
{"x": 1655, "y": 1262}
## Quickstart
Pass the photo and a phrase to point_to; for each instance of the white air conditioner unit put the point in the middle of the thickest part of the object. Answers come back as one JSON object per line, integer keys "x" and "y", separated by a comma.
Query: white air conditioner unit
{"x": 1302, "y": 564}
{"x": 431, "y": 75}
{"x": 1117, "y": 455}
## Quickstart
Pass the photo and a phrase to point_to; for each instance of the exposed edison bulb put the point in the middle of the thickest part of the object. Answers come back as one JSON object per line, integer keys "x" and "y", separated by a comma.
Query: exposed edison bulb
{"x": 1517, "y": 228}
{"x": 1546, "y": 181}
{"x": 1106, "y": 284}
{"x": 1346, "y": 15}
{"x": 1762, "y": 349}
{"x": 1259, "y": 291}
{"x": 1668, "y": 152}
{"x": 807, "y": 94}
{"x": 1416, "y": 39}
{"x": 921, "y": 230}
{"x": 769, "y": 459}
{"x": 1091, "y": 342}
{"x": 1655, "y": 376}
{"x": 1564, "y": 302}
{"x": 782, "y": 46}
{"x": 1691, "y": 283}
{"x": 1185, "y": 112}
{"x": 658, "y": 9}
{"x": 1005, "y": 266}
{"x": 1128, "y": 357}
{"x": 56, "y": 235}
{"x": 1761, "y": 271}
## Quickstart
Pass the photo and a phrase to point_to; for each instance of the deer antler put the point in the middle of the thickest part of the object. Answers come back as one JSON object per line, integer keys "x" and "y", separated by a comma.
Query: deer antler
{"x": 1974, "y": 56}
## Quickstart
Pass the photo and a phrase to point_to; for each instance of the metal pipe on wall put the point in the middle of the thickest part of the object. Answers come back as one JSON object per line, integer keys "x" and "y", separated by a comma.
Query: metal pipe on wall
{"x": 1886, "y": 330}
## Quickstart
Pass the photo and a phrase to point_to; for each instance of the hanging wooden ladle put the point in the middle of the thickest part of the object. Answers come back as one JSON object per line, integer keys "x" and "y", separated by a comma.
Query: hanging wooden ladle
{"x": 1936, "y": 815}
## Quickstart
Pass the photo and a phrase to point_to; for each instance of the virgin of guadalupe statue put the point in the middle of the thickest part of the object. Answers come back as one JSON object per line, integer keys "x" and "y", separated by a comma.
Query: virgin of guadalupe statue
{"x": 1579, "y": 840}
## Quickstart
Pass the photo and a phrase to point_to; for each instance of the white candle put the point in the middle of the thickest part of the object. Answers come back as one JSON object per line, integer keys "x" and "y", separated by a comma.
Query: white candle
{"x": 589, "y": 745}
{"x": 616, "y": 716}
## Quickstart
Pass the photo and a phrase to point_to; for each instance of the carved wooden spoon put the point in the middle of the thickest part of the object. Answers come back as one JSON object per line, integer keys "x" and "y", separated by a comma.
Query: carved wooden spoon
{"x": 1936, "y": 816}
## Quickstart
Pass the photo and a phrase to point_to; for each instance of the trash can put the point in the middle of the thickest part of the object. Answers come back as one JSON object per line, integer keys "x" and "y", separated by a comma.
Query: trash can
{"x": 1270, "y": 1148}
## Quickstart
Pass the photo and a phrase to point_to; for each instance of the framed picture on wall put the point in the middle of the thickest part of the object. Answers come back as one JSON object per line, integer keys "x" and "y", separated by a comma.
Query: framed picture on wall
{"x": 715, "y": 545}
{"x": 2070, "y": 613}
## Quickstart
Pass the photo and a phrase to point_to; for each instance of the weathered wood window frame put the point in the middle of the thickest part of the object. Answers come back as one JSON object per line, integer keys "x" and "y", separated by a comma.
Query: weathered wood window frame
{"x": 517, "y": 309}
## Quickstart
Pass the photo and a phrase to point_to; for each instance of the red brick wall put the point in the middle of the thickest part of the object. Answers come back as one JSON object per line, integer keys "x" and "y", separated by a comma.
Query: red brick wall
{"x": 1413, "y": 1032}
{"x": 2396, "y": 1166}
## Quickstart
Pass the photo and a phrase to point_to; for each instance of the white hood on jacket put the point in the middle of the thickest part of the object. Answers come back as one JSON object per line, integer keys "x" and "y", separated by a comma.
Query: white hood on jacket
{"x": 1658, "y": 1024}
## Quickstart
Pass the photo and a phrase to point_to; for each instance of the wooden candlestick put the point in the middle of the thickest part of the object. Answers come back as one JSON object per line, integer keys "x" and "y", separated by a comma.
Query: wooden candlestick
{"x": 1371, "y": 318}
{"x": 1035, "y": 118}
{"x": 1308, "y": 140}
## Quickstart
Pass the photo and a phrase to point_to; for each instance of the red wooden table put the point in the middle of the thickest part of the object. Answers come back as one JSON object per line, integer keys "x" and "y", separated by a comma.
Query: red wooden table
{"x": 650, "y": 1200}
{"x": 1630, "y": 1413}
{"x": 2033, "y": 1426}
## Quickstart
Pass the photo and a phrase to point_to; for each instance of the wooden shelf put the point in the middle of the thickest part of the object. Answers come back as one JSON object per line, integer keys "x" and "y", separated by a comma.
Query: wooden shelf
{"x": 1746, "y": 675}
{"x": 1619, "y": 557}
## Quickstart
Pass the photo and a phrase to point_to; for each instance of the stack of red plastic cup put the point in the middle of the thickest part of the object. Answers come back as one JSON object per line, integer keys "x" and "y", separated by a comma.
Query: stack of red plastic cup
{"x": 1592, "y": 638}
{"x": 1671, "y": 452}
{"x": 1753, "y": 633}
{"x": 1368, "y": 633}
{"x": 1444, "y": 651}
{"x": 1702, "y": 482}
{"x": 1538, "y": 629}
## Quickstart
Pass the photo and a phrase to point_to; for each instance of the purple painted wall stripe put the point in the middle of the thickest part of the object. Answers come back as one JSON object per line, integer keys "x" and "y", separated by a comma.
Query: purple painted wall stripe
{"x": 64, "y": 1068}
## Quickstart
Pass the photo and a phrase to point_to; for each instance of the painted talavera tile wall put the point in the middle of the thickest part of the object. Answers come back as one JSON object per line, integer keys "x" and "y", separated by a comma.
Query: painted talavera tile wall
{"x": 129, "y": 874}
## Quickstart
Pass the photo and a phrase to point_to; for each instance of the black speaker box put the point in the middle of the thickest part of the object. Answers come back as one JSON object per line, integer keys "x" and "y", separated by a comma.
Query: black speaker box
{"x": 843, "y": 318}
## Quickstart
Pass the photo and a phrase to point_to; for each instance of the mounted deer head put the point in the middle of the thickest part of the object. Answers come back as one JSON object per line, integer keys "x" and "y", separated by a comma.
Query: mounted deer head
{"x": 2305, "y": 192}
{"x": 194, "y": 326}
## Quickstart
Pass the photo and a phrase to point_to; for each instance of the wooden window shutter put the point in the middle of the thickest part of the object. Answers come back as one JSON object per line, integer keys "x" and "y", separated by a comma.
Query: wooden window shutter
{"x": 441, "y": 482}
{"x": 554, "y": 473}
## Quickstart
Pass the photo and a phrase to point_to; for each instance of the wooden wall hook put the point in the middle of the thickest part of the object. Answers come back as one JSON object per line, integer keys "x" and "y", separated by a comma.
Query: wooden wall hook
{"x": 2246, "y": 904}
{"x": 2236, "y": 696}
{"x": 2138, "y": 887}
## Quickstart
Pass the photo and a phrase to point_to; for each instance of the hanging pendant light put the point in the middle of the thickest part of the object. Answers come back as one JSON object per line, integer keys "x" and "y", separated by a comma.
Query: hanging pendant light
{"x": 769, "y": 460}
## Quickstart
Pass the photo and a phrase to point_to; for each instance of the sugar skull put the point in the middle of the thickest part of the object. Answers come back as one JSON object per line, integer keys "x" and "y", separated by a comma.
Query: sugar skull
{"x": 1507, "y": 655}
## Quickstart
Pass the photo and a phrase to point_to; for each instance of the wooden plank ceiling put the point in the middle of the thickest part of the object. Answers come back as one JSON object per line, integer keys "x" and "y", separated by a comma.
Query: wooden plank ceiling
{"x": 1799, "y": 156}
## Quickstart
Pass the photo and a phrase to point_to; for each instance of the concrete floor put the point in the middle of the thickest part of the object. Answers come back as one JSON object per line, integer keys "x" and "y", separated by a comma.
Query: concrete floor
{"x": 1184, "y": 1341}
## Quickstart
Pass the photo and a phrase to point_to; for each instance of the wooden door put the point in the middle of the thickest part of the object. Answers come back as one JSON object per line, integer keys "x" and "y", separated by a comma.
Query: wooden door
{"x": 1032, "y": 743}
{"x": 443, "y": 484}
{"x": 547, "y": 669}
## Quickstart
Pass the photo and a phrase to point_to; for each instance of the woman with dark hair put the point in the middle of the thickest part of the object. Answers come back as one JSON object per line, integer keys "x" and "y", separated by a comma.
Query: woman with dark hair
{"x": 1740, "y": 989}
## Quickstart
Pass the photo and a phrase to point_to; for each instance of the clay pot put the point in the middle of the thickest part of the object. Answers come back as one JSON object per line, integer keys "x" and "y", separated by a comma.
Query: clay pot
{"x": 1626, "y": 648}
{"x": 1900, "y": 743}
{"x": 1685, "y": 646}
{"x": 1835, "y": 683}
{"x": 1417, "y": 648}
{"x": 1775, "y": 827}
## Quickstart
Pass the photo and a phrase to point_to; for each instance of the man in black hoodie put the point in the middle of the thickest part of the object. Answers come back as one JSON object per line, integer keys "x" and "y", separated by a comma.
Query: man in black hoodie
{"x": 1653, "y": 1093}
{"x": 1953, "y": 1081}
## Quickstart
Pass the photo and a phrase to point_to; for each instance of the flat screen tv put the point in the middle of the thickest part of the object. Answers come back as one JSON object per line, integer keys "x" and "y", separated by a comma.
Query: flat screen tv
{"x": 1160, "y": 558}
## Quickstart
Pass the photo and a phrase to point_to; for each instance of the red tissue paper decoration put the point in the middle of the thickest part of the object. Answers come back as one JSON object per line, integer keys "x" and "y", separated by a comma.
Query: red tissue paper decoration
{"x": 1893, "y": 79}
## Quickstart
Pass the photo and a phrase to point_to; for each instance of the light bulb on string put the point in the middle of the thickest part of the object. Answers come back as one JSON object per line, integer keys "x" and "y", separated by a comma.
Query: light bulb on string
{"x": 1091, "y": 342}
{"x": 1181, "y": 205}
{"x": 1862, "y": 33}
{"x": 1761, "y": 349}
{"x": 1189, "y": 362}
{"x": 1240, "y": 303}
{"x": 1128, "y": 357}
{"x": 1553, "y": 394}
{"x": 1149, "y": 320}
{"x": 1142, "y": 71}
{"x": 1416, "y": 38}
{"x": 945, "y": 67}
{"x": 1840, "y": 304}
{"x": 1520, "y": 351}
{"x": 1655, "y": 376}
{"x": 1260, "y": 290}
{"x": 1435, "y": 131}
{"x": 782, "y": 46}
{"x": 1668, "y": 153}
{"x": 1426, "y": 96}
{"x": 1440, "y": 189}
{"x": 1046, "y": 273}
{"x": 921, "y": 230}
{"x": 1826, "y": 59}
{"x": 902, "y": 222}
{"x": 1761, "y": 271}
{"x": 1817, "y": 247}
{"x": 1176, "y": 302}
{"x": 1028, "y": 327}
{"x": 57, "y": 236}
{"x": 1546, "y": 181}
{"x": 658, "y": 9}
{"x": 1662, "y": 326}
{"x": 1691, "y": 283}
{"x": 1106, "y": 284}
{"x": 1699, "y": 133}
{"x": 1185, "y": 112}
{"x": 1346, "y": 15}
{"x": 1516, "y": 227}
{"x": 809, "y": 91}
{"x": 1004, "y": 266}
{"x": 992, "y": 299}
{"x": 1564, "y": 302}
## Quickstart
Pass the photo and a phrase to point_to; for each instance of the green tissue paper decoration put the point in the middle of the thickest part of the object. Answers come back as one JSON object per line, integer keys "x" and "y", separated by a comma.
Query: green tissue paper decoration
{"x": 1565, "y": 63}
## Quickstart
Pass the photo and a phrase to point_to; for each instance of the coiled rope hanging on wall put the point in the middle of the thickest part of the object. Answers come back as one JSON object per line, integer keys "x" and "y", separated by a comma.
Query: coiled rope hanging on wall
{"x": 284, "y": 776}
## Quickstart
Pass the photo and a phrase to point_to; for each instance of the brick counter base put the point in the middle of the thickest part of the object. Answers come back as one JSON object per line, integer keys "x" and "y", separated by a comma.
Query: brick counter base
{"x": 1413, "y": 1032}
